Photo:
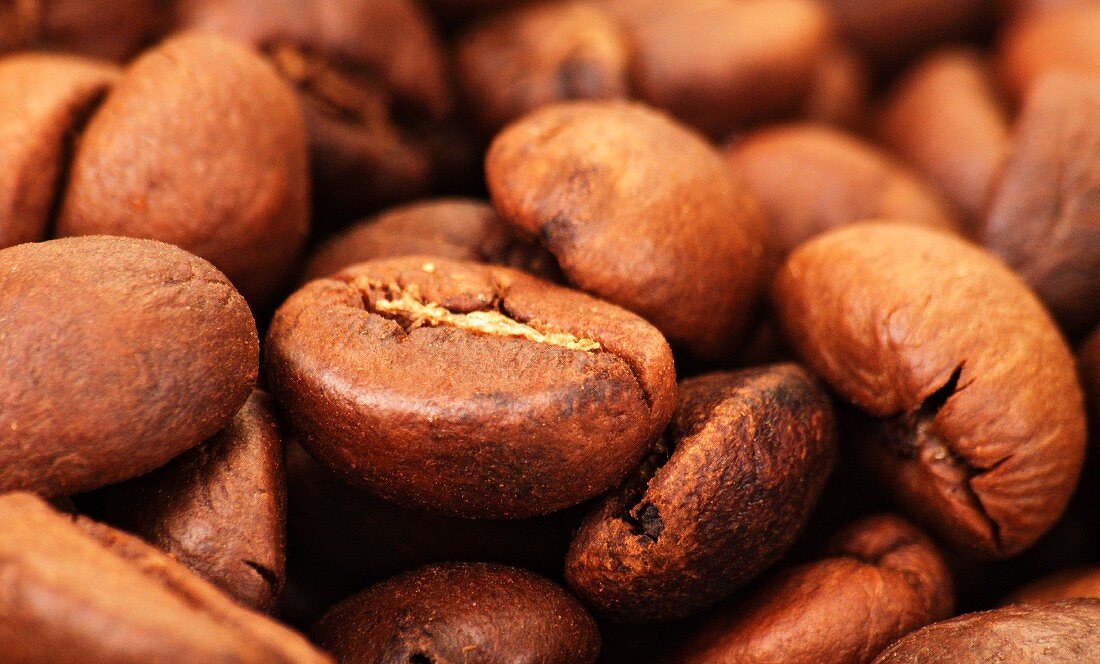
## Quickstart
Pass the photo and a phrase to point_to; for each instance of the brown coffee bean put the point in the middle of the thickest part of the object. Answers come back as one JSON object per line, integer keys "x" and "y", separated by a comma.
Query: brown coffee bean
{"x": 539, "y": 54}
{"x": 370, "y": 75}
{"x": 44, "y": 99}
{"x": 108, "y": 29}
{"x": 220, "y": 509}
{"x": 839, "y": 91}
{"x": 1070, "y": 584}
{"x": 468, "y": 389}
{"x": 719, "y": 65}
{"x": 980, "y": 432}
{"x": 1044, "y": 214}
{"x": 460, "y": 612}
{"x": 810, "y": 179}
{"x": 945, "y": 119}
{"x": 879, "y": 580}
{"x": 1060, "y": 632}
{"x": 83, "y": 592}
{"x": 115, "y": 356}
{"x": 458, "y": 228}
{"x": 1039, "y": 43}
{"x": 750, "y": 453}
{"x": 201, "y": 145}
{"x": 639, "y": 211}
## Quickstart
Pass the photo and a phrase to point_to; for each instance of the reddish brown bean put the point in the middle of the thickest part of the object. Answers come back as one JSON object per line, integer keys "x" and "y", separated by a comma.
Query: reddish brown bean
{"x": 1039, "y": 43}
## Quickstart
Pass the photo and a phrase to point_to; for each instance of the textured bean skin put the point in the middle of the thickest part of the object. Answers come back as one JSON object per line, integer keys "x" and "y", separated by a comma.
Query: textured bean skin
{"x": 751, "y": 451}
{"x": 1053, "y": 633}
{"x": 460, "y": 612}
{"x": 639, "y": 211}
{"x": 97, "y": 326}
{"x": 981, "y": 428}
{"x": 880, "y": 578}
{"x": 483, "y": 424}
{"x": 220, "y": 509}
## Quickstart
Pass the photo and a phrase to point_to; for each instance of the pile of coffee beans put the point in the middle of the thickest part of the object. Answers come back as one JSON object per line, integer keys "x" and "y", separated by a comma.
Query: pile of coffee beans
{"x": 549, "y": 331}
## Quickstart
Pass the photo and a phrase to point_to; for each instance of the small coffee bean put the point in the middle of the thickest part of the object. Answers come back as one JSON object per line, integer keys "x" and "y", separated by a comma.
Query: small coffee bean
{"x": 84, "y": 592}
{"x": 980, "y": 432}
{"x": 1038, "y": 43}
{"x": 1060, "y": 632}
{"x": 468, "y": 389}
{"x": 115, "y": 356}
{"x": 220, "y": 509}
{"x": 639, "y": 211}
{"x": 1044, "y": 215}
{"x": 460, "y": 612}
{"x": 750, "y": 453}
{"x": 879, "y": 580}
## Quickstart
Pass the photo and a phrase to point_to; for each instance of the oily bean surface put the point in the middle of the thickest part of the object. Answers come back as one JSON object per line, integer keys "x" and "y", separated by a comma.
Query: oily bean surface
{"x": 468, "y": 389}
{"x": 115, "y": 356}
{"x": 980, "y": 433}
{"x": 750, "y": 453}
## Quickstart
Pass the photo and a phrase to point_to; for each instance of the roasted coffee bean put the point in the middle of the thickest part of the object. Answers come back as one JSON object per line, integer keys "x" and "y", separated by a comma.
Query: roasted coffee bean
{"x": 945, "y": 119}
{"x": 1044, "y": 216}
{"x": 540, "y": 54}
{"x": 880, "y": 579}
{"x": 83, "y": 592}
{"x": 115, "y": 356}
{"x": 1070, "y": 584}
{"x": 460, "y": 612}
{"x": 468, "y": 389}
{"x": 980, "y": 430}
{"x": 750, "y": 453}
{"x": 232, "y": 187}
{"x": 639, "y": 211}
{"x": 1060, "y": 632}
{"x": 458, "y": 228}
{"x": 370, "y": 75}
{"x": 44, "y": 99}
{"x": 1038, "y": 43}
{"x": 108, "y": 29}
{"x": 810, "y": 179}
{"x": 220, "y": 509}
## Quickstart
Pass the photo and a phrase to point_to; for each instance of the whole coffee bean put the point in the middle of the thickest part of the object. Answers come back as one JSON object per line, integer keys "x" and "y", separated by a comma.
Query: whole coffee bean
{"x": 1044, "y": 215}
{"x": 460, "y": 612}
{"x": 108, "y": 29}
{"x": 750, "y": 453}
{"x": 1051, "y": 633}
{"x": 220, "y": 509}
{"x": 539, "y": 54}
{"x": 83, "y": 592}
{"x": 879, "y": 580}
{"x": 719, "y": 65}
{"x": 839, "y": 91}
{"x": 370, "y": 76}
{"x": 810, "y": 179}
{"x": 639, "y": 211}
{"x": 468, "y": 389}
{"x": 1039, "y": 43}
{"x": 201, "y": 145}
{"x": 458, "y": 228}
{"x": 945, "y": 119}
{"x": 115, "y": 356}
{"x": 1070, "y": 584}
{"x": 980, "y": 430}
{"x": 44, "y": 99}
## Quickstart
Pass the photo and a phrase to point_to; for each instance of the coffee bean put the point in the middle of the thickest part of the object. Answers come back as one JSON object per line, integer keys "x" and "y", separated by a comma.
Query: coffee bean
{"x": 220, "y": 509}
{"x": 980, "y": 432}
{"x": 460, "y": 613}
{"x": 639, "y": 211}
{"x": 750, "y": 453}
{"x": 83, "y": 592}
{"x": 1044, "y": 216}
{"x": 115, "y": 356}
{"x": 880, "y": 579}
{"x": 1039, "y": 43}
{"x": 468, "y": 389}
{"x": 1052, "y": 633}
